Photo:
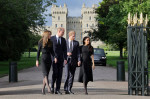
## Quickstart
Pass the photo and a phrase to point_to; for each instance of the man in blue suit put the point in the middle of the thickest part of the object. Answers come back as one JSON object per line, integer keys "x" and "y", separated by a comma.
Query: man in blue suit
{"x": 60, "y": 50}
{"x": 73, "y": 60}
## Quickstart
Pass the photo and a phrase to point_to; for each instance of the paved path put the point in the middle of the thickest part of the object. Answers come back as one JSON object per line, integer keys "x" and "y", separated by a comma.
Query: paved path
{"x": 29, "y": 86}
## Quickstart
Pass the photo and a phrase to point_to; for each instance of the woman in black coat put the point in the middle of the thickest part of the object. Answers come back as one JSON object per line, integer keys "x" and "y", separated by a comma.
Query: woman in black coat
{"x": 87, "y": 58}
{"x": 46, "y": 46}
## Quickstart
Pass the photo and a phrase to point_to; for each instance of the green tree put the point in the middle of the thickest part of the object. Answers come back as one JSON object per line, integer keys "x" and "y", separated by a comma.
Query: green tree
{"x": 34, "y": 38}
{"x": 112, "y": 20}
{"x": 16, "y": 19}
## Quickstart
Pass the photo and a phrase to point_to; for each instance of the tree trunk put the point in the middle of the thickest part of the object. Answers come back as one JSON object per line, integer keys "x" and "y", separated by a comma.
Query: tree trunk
{"x": 29, "y": 52}
{"x": 121, "y": 51}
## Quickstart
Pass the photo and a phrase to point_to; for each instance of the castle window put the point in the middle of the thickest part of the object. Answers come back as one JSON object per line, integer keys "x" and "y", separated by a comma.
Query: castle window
{"x": 58, "y": 17}
{"x": 61, "y": 25}
{"x": 55, "y": 25}
{"x": 81, "y": 26}
{"x": 81, "y": 37}
{"x": 92, "y": 25}
{"x": 90, "y": 18}
{"x": 74, "y": 26}
{"x": 75, "y": 36}
{"x": 86, "y": 25}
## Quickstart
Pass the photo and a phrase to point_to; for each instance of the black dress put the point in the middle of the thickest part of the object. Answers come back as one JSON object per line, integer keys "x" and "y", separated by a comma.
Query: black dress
{"x": 86, "y": 74}
{"x": 46, "y": 60}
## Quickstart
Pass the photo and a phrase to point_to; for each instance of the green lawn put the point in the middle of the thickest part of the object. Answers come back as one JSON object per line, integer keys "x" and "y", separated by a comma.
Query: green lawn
{"x": 113, "y": 57}
{"x": 25, "y": 62}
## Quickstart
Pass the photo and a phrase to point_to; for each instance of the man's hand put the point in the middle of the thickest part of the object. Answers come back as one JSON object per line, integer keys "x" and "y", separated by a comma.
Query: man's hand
{"x": 69, "y": 54}
{"x": 79, "y": 63}
{"x": 55, "y": 60}
{"x": 65, "y": 62}
{"x": 37, "y": 63}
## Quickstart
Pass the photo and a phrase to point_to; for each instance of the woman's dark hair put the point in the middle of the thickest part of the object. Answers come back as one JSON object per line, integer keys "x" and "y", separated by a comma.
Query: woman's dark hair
{"x": 89, "y": 45}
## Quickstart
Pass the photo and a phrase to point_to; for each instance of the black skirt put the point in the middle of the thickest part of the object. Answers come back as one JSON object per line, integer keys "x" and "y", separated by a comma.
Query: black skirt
{"x": 85, "y": 74}
{"x": 46, "y": 64}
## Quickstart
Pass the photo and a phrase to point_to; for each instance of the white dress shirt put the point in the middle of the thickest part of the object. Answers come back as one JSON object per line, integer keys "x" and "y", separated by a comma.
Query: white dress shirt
{"x": 58, "y": 38}
{"x": 70, "y": 42}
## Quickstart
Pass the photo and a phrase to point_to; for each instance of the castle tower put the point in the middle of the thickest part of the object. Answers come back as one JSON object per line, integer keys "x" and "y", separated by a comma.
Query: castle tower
{"x": 59, "y": 18}
{"x": 88, "y": 18}
{"x": 89, "y": 21}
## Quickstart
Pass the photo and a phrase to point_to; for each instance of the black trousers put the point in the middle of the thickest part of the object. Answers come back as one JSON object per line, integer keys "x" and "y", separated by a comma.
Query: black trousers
{"x": 57, "y": 74}
{"x": 69, "y": 75}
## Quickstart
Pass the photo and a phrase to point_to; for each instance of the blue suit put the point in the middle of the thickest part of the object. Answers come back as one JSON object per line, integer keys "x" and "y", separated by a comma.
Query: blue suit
{"x": 71, "y": 65}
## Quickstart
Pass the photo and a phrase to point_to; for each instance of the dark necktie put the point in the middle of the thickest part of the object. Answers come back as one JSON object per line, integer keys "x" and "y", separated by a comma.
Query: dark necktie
{"x": 70, "y": 46}
{"x": 59, "y": 41}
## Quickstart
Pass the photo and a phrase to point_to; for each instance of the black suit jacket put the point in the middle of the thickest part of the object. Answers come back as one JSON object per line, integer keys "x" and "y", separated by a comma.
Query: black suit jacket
{"x": 59, "y": 50}
{"x": 75, "y": 57}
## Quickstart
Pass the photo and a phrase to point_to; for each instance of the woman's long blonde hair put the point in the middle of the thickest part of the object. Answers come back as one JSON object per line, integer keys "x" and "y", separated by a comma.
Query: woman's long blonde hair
{"x": 45, "y": 37}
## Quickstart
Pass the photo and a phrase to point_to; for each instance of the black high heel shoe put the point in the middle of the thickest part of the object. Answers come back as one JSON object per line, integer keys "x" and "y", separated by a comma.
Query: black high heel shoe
{"x": 49, "y": 90}
{"x": 43, "y": 91}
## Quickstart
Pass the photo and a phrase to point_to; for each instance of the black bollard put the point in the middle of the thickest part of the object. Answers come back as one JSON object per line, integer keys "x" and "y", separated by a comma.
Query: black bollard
{"x": 13, "y": 73}
{"x": 120, "y": 71}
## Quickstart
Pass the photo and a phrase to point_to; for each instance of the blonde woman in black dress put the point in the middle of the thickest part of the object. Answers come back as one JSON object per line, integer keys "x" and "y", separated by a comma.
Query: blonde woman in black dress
{"x": 46, "y": 46}
{"x": 87, "y": 58}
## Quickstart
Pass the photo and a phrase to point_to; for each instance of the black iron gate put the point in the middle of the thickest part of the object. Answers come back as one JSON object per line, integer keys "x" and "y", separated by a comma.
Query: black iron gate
{"x": 137, "y": 55}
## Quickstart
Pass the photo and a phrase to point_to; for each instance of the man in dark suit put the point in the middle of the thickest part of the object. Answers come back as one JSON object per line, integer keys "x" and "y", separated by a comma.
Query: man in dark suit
{"x": 73, "y": 60}
{"x": 60, "y": 50}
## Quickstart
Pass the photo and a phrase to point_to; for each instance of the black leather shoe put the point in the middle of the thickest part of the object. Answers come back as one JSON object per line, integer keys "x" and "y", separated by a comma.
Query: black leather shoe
{"x": 52, "y": 90}
{"x": 58, "y": 92}
{"x": 67, "y": 92}
{"x": 70, "y": 92}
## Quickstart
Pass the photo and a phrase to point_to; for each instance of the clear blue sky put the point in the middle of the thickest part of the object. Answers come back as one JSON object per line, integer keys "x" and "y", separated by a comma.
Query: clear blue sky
{"x": 74, "y": 7}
